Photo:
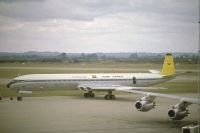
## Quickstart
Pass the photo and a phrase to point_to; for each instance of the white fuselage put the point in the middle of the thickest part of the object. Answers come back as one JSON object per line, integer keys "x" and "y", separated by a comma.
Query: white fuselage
{"x": 68, "y": 81}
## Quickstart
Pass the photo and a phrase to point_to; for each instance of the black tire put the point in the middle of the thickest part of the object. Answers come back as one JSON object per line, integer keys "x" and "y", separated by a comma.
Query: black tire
{"x": 0, "y": 98}
{"x": 86, "y": 95}
{"x": 113, "y": 97}
{"x": 19, "y": 98}
{"x": 11, "y": 98}
{"x": 92, "y": 95}
{"x": 108, "y": 97}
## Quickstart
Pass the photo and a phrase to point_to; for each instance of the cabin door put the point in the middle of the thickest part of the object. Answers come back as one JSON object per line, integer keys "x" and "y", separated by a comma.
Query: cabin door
{"x": 134, "y": 80}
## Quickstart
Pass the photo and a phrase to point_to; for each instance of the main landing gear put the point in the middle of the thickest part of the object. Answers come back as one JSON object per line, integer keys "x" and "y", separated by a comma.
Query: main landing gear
{"x": 89, "y": 94}
{"x": 109, "y": 96}
{"x": 19, "y": 98}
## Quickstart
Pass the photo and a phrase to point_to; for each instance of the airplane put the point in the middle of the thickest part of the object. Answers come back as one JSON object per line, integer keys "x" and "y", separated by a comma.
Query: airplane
{"x": 125, "y": 82}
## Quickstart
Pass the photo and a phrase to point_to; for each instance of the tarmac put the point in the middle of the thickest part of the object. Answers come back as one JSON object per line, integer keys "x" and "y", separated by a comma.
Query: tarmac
{"x": 67, "y": 114}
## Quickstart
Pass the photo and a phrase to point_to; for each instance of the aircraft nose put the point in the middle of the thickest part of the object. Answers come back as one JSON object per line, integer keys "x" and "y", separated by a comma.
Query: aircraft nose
{"x": 10, "y": 83}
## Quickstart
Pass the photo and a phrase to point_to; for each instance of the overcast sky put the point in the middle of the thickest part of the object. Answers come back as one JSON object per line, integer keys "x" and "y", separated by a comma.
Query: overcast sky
{"x": 99, "y": 25}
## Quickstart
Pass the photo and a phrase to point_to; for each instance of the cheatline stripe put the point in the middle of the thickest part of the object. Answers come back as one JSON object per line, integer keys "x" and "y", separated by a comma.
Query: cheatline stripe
{"x": 65, "y": 80}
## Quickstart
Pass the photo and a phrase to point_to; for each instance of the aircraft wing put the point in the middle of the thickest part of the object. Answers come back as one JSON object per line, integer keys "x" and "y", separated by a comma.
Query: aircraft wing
{"x": 113, "y": 87}
{"x": 182, "y": 99}
{"x": 97, "y": 87}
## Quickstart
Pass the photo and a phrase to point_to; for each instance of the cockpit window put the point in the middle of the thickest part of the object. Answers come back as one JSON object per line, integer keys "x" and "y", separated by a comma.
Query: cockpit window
{"x": 11, "y": 82}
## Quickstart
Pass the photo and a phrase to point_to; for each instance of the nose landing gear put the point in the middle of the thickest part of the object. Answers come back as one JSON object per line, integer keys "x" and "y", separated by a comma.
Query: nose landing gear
{"x": 19, "y": 96}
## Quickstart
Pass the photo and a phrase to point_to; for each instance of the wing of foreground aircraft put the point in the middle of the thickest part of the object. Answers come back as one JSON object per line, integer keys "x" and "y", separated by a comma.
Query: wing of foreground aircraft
{"x": 146, "y": 103}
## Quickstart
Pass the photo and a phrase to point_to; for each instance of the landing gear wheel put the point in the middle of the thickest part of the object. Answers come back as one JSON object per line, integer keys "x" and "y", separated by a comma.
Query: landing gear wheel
{"x": 0, "y": 98}
{"x": 11, "y": 98}
{"x": 89, "y": 95}
{"x": 86, "y": 95}
{"x": 113, "y": 97}
{"x": 19, "y": 98}
{"x": 109, "y": 97}
{"x": 106, "y": 97}
{"x": 92, "y": 95}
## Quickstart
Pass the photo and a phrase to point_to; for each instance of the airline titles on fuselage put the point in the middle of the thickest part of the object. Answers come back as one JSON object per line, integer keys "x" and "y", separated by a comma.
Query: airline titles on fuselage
{"x": 94, "y": 76}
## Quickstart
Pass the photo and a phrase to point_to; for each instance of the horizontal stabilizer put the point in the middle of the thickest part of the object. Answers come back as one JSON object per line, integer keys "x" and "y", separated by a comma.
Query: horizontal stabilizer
{"x": 154, "y": 71}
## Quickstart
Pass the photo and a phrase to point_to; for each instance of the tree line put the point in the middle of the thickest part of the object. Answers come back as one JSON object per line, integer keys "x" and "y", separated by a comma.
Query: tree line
{"x": 84, "y": 57}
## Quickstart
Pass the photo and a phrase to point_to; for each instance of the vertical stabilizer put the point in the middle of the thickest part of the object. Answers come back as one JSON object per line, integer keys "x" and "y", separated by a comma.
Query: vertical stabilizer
{"x": 168, "y": 65}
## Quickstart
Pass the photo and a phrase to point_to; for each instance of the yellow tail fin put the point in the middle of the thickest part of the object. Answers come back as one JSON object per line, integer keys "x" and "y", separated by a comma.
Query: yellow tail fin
{"x": 168, "y": 65}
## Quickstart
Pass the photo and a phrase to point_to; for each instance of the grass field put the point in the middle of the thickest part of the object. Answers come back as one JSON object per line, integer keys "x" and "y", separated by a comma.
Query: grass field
{"x": 183, "y": 84}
